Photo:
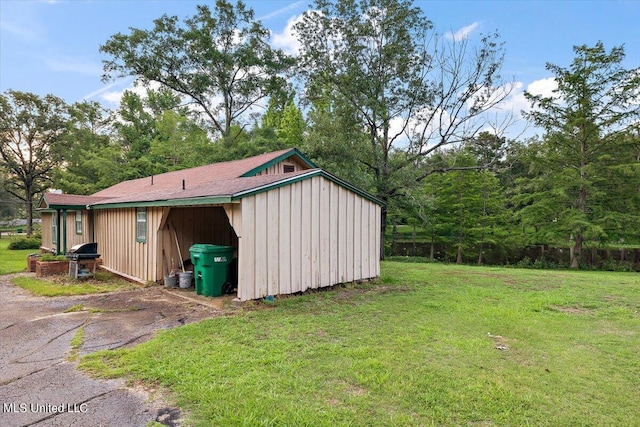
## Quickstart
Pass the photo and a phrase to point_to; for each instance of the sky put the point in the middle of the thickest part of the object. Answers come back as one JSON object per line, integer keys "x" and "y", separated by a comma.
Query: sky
{"x": 52, "y": 46}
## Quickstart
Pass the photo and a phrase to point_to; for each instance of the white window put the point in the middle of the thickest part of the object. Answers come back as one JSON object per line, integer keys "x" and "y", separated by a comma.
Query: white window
{"x": 54, "y": 228}
{"x": 78, "y": 222}
{"x": 141, "y": 225}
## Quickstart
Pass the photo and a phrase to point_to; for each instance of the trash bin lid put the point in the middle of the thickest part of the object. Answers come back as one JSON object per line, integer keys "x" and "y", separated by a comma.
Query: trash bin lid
{"x": 210, "y": 249}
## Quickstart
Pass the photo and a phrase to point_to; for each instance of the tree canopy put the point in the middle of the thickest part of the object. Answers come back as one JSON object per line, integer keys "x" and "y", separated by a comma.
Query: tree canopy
{"x": 219, "y": 60}
{"x": 32, "y": 144}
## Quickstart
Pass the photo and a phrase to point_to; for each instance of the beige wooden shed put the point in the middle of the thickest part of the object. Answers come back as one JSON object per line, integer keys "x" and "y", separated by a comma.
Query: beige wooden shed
{"x": 295, "y": 226}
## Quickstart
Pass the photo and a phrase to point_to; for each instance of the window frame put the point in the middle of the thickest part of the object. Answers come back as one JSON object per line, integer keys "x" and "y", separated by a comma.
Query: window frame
{"x": 141, "y": 225}
{"x": 54, "y": 228}
{"x": 78, "y": 222}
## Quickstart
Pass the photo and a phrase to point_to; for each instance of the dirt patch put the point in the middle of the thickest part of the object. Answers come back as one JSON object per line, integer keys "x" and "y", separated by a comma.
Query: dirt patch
{"x": 498, "y": 341}
{"x": 569, "y": 309}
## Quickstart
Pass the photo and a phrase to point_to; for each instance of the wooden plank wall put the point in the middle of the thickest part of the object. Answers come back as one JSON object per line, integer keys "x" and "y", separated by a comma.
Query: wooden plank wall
{"x": 310, "y": 234}
{"x": 72, "y": 237}
{"x": 279, "y": 167}
{"x": 115, "y": 231}
{"x": 47, "y": 238}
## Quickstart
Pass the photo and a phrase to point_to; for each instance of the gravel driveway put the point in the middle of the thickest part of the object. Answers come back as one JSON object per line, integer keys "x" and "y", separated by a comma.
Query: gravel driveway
{"x": 39, "y": 386}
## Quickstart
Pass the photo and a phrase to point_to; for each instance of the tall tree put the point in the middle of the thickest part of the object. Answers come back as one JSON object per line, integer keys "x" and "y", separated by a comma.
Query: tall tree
{"x": 292, "y": 125}
{"x": 596, "y": 101}
{"x": 32, "y": 143}
{"x": 412, "y": 91}
{"x": 219, "y": 60}
{"x": 91, "y": 159}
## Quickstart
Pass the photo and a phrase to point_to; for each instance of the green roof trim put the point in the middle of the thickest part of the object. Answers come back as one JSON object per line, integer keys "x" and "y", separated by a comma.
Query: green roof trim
{"x": 216, "y": 200}
{"x": 63, "y": 207}
{"x": 292, "y": 152}
{"x": 310, "y": 174}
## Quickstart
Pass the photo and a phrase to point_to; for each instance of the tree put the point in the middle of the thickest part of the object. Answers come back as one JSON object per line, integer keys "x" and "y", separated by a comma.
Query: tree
{"x": 411, "y": 90}
{"x": 32, "y": 143}
{"x": 292, "y": 125}
{"x": 178, "y": 143}
{"x": 596, "y": 101}
{"x": 336, "y": 142}
{"x": 91, "y": 160}
{"x": 220, "y": 61}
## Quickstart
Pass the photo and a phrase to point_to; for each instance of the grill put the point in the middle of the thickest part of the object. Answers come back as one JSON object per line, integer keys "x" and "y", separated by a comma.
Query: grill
{"x": 80, "y": 256}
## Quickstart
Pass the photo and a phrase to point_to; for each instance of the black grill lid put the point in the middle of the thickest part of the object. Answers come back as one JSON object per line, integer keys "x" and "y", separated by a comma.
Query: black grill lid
{"x": 84, "y": 248}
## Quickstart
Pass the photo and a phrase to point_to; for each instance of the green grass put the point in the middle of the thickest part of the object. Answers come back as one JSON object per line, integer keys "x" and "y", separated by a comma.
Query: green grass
{"x": 417, "y": 349}
{"x": 13, "y": 261}
{"x": 76, "y": 343}
{"x": 63, "y": 285}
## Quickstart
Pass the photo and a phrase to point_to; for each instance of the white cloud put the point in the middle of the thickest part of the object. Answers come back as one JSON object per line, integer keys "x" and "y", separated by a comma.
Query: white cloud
{"x": 286, "y": 40}
{"x": 462, "y": 33}
{"x": 543, "y": 87}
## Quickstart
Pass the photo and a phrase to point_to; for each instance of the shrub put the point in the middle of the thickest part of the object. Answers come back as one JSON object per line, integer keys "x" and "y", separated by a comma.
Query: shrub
{"x": 25, "y": 243}
{"x": 51, "y": 257}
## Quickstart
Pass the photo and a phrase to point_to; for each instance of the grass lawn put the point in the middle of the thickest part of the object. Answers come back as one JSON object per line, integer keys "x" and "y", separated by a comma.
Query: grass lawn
{"x": 12, "y": 261}
{"x": 428, "y": 345}
{"x": 63, "y": 285}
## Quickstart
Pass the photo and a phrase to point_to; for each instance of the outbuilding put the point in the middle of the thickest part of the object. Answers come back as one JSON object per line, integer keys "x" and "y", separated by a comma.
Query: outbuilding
{"x": 295, "y": 226}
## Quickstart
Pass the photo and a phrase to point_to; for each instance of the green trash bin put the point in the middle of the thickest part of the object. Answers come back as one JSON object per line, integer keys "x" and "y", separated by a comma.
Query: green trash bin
{"x": 210, "y": 267}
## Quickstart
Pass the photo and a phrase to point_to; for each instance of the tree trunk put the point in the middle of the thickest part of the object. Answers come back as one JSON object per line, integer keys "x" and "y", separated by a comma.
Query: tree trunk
{"x": 432, "y": 250}
{"x": 29, "y": 209}
{"x": 576, "y": 252}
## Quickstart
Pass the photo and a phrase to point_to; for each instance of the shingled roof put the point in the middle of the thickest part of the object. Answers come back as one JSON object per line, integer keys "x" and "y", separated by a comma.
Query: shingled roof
{"x": 202, "y": 175}
{"x": 68, "y": 201}
{"x": 204, "y": 184}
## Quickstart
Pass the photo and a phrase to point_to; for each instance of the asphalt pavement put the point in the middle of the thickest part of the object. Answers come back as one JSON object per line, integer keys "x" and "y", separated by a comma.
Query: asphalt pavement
{"x": 39, "y": 382}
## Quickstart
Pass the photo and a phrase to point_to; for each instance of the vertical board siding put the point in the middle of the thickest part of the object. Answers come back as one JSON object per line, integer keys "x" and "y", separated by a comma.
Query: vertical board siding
{"x": 279, "y": 167}
{"x": 247, "y": 250}
{"x": 284, "y": 258}
{"x": 115, "y": 233}
{"x": 309, "y": 234}
{"x": 73, "y": 238}
{"x": 47, "y": 236}
{"x": 273, "y": 244}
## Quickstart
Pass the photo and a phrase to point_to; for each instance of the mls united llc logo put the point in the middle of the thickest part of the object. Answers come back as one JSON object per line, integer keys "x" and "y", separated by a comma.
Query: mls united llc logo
{"x": 79, "y": 408}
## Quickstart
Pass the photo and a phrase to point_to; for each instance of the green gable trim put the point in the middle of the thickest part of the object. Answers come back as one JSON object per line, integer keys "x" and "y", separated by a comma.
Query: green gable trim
{"x": 311, "y": 174}
{"x": 64, "y": 207}
{"x": 284, "y": 156}
{"x": 217, "y": 200}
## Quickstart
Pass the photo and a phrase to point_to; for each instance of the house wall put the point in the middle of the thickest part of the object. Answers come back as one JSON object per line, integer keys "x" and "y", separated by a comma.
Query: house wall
{"x": 151, "y": 260}
{"x": 47, "y": 238}
{"x": 72, "y": 237}
{"x": 310, "y": 234}
{"x": 115, "y": 233}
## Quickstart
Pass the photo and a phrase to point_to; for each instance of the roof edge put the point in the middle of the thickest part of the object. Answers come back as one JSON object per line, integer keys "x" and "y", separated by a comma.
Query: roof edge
{"x": 213, "y": 200}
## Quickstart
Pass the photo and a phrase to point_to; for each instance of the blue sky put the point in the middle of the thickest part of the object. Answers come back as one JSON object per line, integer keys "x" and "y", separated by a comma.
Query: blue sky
{"x": 51, "y": 46}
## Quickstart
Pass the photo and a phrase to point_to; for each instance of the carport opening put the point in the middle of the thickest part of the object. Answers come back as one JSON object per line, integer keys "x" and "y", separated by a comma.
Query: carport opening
{"x": 187, "y": 226}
